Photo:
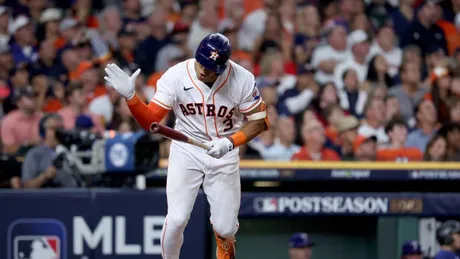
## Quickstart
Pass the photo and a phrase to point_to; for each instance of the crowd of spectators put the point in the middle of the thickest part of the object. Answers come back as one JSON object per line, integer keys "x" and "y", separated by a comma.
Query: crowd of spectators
{"x": 342, "y": 79}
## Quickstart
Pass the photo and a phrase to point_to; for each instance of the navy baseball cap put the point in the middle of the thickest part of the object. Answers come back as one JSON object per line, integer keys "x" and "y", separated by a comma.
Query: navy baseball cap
{"x": 411, "y": 247}
{"x": 300, "y": 240}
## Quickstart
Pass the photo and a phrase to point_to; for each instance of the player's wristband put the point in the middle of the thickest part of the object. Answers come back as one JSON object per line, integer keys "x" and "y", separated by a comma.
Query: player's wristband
{"x": 238, "y": 139}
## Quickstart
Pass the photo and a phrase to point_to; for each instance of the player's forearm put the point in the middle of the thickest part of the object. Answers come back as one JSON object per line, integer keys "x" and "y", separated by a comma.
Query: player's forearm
{"x": 146, "y": 114}
{"x": 249, "y": 131}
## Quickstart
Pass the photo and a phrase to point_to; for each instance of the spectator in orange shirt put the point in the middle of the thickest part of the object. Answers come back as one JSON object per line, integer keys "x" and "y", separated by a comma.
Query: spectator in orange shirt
{"x": 436, "y": 149}
{"x": 314, "y": 139}
{"x": 365, "y": 148}
{"x": 397, "y": 130}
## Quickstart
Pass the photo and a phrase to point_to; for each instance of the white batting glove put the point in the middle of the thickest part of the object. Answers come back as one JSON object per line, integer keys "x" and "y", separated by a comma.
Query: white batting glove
{"x": 120, "y": 81}
{"x": 219, "y": 147}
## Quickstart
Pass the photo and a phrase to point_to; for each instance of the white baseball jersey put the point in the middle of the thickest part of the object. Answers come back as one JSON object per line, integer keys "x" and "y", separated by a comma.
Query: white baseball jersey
{"x": 202, "y": 112}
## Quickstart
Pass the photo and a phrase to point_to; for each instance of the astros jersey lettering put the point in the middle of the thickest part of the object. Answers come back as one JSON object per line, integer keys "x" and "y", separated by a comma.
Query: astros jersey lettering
{"x": 202, "y": 112}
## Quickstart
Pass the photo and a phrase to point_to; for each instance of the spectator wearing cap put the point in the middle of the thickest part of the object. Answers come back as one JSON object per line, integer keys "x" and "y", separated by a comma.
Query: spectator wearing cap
{"x": 22, "y": 46}
{"x": 314, "y": 140}
{"x": 441, "y": 91}
{"x": 384, "y": 44}
{"x": 423, "y": 31}
{"x": 124, "y": 55}
{"x": 365, "y": 149}
{"x": 283, "y": 147}
{"x": 358, "y": 42}
{"x": 300, "y": 246}
{"x": 397, "y": 131}
{"x": 180, "y": 35}
{"x": 347, "y": 133}
{"x": 6, "y": 62}
{"x": 147, "y": 51}
{"x": 426, "y": 121}
{"x": 352, "y": 97}
{"x": 374, "y": 119}
{"x": 411, "y": 250}
{"x": 47, "y": 62}
{"x": 110, "y": 24}
{"x": 4, "y": 25}
{"x": 410, "y": 92}
{"x": 296, "y": 99}
{"x": 48, "y": 28}
{"x": 325, "y": 58}
{"x": 76, "y": 105}
{"x": 19, "y": 128}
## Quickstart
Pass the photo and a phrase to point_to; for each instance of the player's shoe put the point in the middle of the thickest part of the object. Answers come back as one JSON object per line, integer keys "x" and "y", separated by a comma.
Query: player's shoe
{"x": 225, "y": 248}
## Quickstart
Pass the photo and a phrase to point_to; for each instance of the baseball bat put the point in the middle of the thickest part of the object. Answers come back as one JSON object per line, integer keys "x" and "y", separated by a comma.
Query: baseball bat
{"x": 173, "y": 134}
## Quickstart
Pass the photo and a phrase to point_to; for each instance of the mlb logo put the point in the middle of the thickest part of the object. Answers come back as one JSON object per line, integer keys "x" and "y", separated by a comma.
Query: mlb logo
{"x": 37, "y": 239}
{"x": 37, "y": 247}
{"x": 266, "y": 205}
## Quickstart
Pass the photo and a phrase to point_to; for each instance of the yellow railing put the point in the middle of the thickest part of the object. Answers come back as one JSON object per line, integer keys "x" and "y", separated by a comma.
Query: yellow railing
{"x": 343, "y": 165}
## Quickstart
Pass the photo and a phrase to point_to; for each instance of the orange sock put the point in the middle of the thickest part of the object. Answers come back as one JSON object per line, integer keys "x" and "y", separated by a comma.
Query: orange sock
{"x": 225, "y": 247}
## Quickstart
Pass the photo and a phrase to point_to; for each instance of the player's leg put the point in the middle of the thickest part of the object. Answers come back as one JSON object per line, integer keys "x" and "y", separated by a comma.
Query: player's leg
{"x": 183, "y": 182}
{"x": 223, "y": 190}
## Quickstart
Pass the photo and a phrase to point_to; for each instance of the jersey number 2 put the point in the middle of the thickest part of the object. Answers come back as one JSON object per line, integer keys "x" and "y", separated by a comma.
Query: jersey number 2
{"x": 229, "y": 124}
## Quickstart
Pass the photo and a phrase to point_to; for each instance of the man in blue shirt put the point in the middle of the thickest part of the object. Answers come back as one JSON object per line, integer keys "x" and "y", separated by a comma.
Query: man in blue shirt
{"x": 448, "y": 237}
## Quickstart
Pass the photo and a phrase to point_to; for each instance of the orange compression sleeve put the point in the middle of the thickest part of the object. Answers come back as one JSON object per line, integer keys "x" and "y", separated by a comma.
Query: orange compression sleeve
{"x": 239, "y": 138}
{"x": 146, "y": 114}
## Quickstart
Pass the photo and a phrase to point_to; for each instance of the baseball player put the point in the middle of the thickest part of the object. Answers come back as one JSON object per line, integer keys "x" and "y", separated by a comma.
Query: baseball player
{"x": 448, "y": 237}
{"x": 411, "y": 250}
{"x": 210, "y": 96}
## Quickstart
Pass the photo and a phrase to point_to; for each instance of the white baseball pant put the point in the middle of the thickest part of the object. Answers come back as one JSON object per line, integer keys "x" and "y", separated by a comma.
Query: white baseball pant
{"x": 188, "y": 168}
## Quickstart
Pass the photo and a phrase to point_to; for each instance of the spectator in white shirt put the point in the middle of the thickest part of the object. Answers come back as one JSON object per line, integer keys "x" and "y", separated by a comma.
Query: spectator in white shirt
{"x": 326, "y": 58}
{"x": 384, "y": 44}
{"x": 373, "y": 125}
{"x": 358, "y": 42}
